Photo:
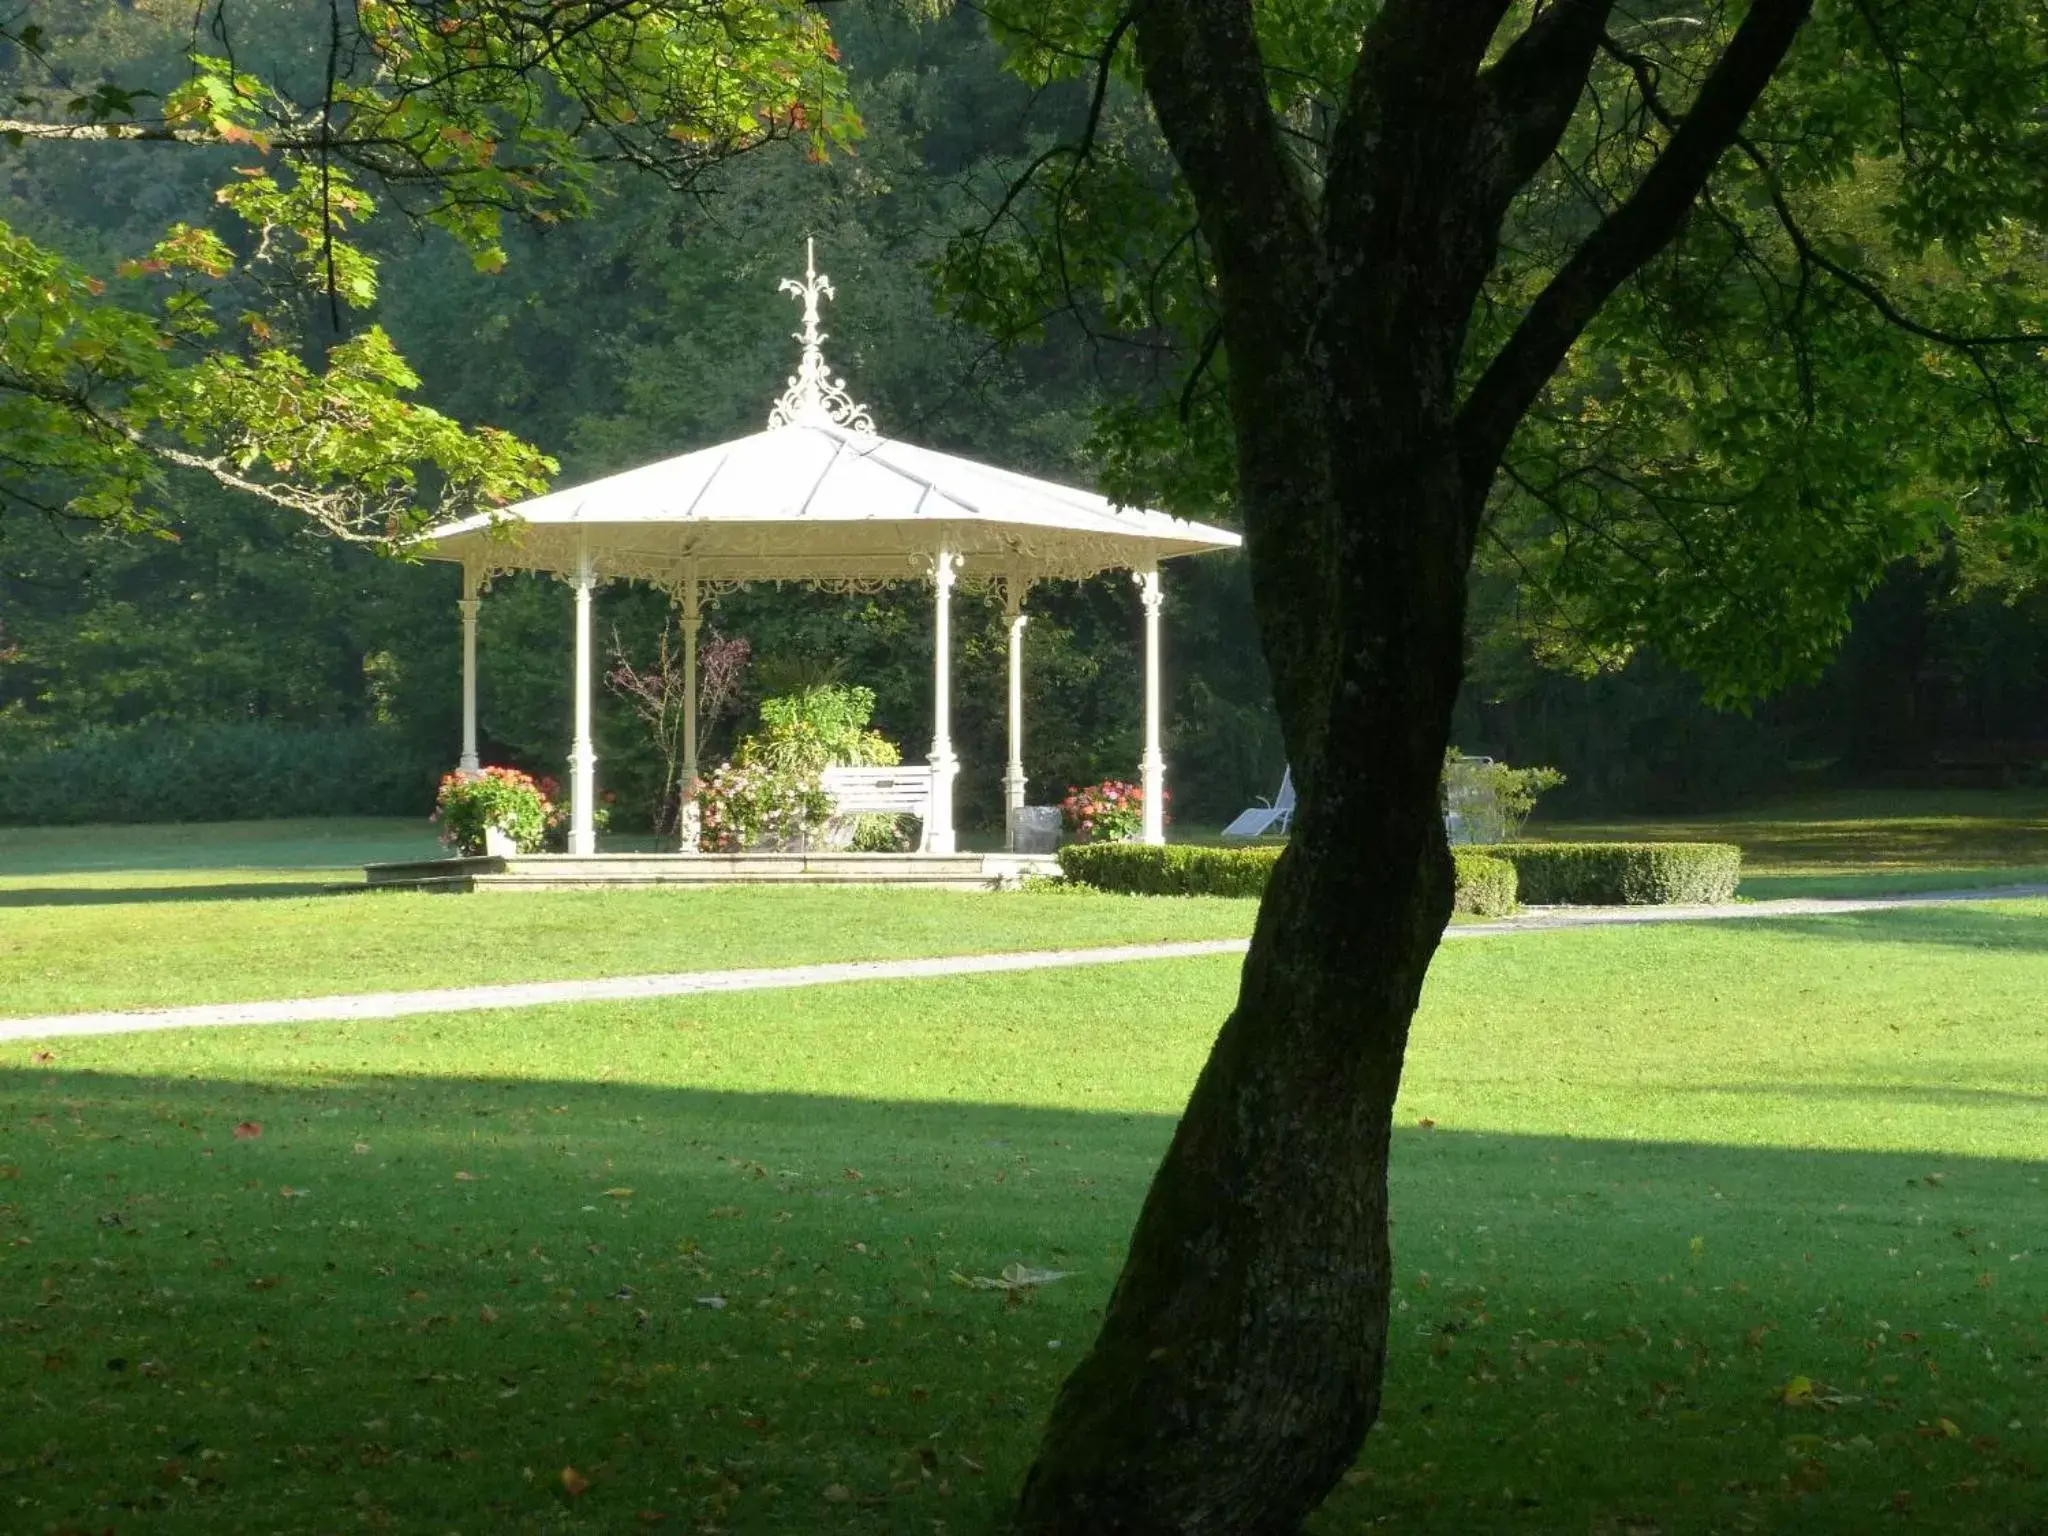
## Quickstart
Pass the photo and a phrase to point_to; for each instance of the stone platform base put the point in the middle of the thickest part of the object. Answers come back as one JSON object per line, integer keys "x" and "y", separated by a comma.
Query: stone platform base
{"x": 603, "y": 871}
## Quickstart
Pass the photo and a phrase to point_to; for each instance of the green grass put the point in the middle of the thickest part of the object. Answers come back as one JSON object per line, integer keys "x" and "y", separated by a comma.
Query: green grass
{"x": 338, "y": 847}
{"x": 112, "y": 917}
{"x": 1860, "y": 843}
{"x": 71, "y": 948}
{"x": 1671, "y": 1171}
{"x": 149, "y": 917}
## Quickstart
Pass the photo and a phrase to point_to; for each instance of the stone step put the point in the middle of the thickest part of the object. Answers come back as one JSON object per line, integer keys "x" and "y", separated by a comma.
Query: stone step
{"x": 963, "y": 871}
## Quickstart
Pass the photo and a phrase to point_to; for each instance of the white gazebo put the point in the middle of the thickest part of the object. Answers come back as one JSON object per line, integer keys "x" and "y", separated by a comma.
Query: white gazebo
{"x": 820, "y": 498}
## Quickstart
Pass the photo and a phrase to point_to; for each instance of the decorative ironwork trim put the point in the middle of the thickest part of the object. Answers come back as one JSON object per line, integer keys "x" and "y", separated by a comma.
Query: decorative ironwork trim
{"x": 814, "y": 397}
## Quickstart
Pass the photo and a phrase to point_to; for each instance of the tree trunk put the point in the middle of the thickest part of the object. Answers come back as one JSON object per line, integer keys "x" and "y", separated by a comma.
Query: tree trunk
{"x": 1240, "y": 1361}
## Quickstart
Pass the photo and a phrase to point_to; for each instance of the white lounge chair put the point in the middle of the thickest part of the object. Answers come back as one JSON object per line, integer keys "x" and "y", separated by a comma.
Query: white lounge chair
{"x": 1275, "y": 815}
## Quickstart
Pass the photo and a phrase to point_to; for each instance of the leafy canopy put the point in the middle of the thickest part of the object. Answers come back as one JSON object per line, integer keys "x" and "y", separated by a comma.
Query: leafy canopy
{"x": 232, "y": 348}
{"x": 1837, "y": 363}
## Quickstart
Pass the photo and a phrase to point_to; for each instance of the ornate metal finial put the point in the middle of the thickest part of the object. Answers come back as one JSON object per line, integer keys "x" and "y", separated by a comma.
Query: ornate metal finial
{"x": 814, "y": 397}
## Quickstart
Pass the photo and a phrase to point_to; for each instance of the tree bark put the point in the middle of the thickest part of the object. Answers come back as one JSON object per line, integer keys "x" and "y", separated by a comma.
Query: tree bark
{"x": 1240, "y": 1360}
{"x": 1239, "y": 1364}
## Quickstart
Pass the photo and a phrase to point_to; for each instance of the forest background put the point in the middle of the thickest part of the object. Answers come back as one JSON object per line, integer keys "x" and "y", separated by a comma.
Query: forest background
{"x": 247, "y": 666}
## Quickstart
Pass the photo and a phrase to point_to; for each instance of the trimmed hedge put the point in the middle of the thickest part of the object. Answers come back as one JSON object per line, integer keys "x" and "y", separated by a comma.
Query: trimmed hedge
{"x": 223, "y": 772}
{"x": 1486, "y": 885}
{"x": 1180, "y": 869}
{"x": 1623, "y": 874}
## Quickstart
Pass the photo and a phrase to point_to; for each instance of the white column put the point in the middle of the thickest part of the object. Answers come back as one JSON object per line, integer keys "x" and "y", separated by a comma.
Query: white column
{"x": 945, "y": 766}
{"x": 468, "y": 607}
{"x": 1152, "y": 766}
{"x": 1013, "y": 773}
{"x": 582, "y": 755}
{"x": 693, "y": 621}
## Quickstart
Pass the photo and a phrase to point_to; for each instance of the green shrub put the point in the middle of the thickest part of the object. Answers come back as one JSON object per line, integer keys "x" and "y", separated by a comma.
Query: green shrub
{"x": 233, "y": 771}
{"x": 1623, "y": 874}
{"x": 820, "y": 727}
{"x": 1138, "y": 869}
{"x": 1488, "y": 802}
{"x": 1486, "y": 885}
{"x": 883, "y": 832}
{"x": 744, "y": 805}
{"x": 771, "y": 794}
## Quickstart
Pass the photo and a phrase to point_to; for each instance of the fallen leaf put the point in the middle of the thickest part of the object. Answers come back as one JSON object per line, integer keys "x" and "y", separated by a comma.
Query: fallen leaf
{"x": 715, "y": 1303}
{"x": 1426, "y": 1123}
{"x": 1796, "y": 1393}
{"x": 621, "y": 1193}
{"x": 837, "y": 1493}
{"x": 464, "y": 1176}
{"x": 248, "y": 1130}
{"x": 487, "y": 1314}
{"x": 574, "y": 1483}
{"x": 361, "y": 1147}
{"x": 41, "y": 1058}
{"x": 289, "y": 1193}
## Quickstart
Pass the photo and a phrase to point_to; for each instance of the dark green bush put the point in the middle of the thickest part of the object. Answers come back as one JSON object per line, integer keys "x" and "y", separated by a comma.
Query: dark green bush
{"x": 1486, "y": 885}
{"x": 222, "y": 772}
{"x": 1623, "y": 874}
{"x": 1176, "y": 870}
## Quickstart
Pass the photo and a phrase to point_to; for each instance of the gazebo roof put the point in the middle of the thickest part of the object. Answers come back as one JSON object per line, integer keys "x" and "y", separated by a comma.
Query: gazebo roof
{"x": 819, "y": 497}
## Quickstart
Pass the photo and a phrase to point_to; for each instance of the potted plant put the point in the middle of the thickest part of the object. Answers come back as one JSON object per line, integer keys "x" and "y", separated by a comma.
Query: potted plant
{"x": 1109, "y": 812}
{"x": 493, "y": 810}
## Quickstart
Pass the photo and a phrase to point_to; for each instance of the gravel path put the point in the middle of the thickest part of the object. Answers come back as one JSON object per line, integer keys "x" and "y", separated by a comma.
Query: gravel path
{"x": 535, "y": 994}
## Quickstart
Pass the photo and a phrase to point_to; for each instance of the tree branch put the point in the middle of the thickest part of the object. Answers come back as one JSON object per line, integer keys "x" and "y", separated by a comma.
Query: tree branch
{"x": 18, "y": 128}
{"x": 1629, "y": 236}
{"x": 1532, "y": 90}
{"x": 1204, "y": 72}
{"x": 1863, "y": 287}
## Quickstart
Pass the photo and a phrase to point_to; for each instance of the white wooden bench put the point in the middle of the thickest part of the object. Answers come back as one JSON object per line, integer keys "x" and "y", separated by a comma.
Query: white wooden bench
{"x": 901, "y": 790}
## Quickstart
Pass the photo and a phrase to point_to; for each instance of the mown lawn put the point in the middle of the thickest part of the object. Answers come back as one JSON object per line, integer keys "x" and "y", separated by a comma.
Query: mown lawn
{"x": 71, "y": 947}
{"x": 136, "y": 917}
{"x": 334, "y": 847}
{"x": 1860, "y": 843}
{"x": 1698, "y": 1229}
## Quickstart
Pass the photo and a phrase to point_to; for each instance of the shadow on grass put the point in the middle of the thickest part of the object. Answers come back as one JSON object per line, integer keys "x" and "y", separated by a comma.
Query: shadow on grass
{"x": 128, "y": 896}
{"x": 1877, "y": 1095}
{"x": 132, "y": 895}
{"x": 409, "y": 1301}
{"x": 1961, "y": 926}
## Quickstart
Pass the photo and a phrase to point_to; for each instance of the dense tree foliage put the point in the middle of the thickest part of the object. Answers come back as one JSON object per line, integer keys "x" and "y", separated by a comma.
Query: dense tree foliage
{"x": 653, "y": 325}
{"x": 230, "y": 350}
{"x": 1686, "y": 322}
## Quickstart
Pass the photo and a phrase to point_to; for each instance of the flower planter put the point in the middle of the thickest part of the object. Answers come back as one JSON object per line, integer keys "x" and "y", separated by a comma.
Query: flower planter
{"x": 498, "y": 844}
